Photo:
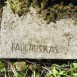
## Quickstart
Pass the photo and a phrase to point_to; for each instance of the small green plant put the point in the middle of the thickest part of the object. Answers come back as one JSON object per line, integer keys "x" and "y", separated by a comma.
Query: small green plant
{"x": 63, "y": 71}
{"x": 30, "y": 69}
{"x": 2, "y": 65}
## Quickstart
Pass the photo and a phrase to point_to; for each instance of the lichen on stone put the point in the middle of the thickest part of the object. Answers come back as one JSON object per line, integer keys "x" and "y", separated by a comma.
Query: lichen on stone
{"x": 75, "y": 22}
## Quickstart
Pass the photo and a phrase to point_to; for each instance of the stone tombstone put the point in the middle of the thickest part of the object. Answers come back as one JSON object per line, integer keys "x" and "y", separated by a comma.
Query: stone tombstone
{"x": 30, "y": 37}
{"x": 0, "y": 34}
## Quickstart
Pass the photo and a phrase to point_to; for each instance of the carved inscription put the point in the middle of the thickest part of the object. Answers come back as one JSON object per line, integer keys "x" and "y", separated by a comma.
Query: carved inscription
{"x": 34, "y": 48}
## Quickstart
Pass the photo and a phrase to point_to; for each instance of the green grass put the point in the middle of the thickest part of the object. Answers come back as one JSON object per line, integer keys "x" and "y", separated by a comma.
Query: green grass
{"x": 34, "y": 69}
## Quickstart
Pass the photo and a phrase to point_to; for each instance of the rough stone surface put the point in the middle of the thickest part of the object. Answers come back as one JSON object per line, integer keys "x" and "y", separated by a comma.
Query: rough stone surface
{"x": 0, "y": 40}
{"x": 30, "y": 37}
{"x": 0, "y": 34}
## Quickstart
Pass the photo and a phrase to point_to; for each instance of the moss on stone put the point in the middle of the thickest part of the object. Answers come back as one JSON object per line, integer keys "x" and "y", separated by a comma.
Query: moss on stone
{"x": 51, "y": 10}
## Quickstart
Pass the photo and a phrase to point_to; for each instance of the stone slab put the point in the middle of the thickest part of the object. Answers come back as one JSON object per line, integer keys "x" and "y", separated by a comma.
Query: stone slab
{"x": 30, "y": 37}
{"x": 0, "y": 34}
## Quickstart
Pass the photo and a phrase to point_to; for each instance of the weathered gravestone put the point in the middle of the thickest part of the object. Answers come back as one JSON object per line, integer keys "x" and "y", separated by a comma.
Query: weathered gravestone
{"x": 30, "y": 37}
{"x": 0, "y": 34}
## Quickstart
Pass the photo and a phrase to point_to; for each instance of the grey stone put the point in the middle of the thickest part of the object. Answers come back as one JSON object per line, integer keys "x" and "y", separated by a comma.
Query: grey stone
{"x": 0, "y": 40}
{"x": 30, "y": 37}
{"x": 0, "y": 34}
